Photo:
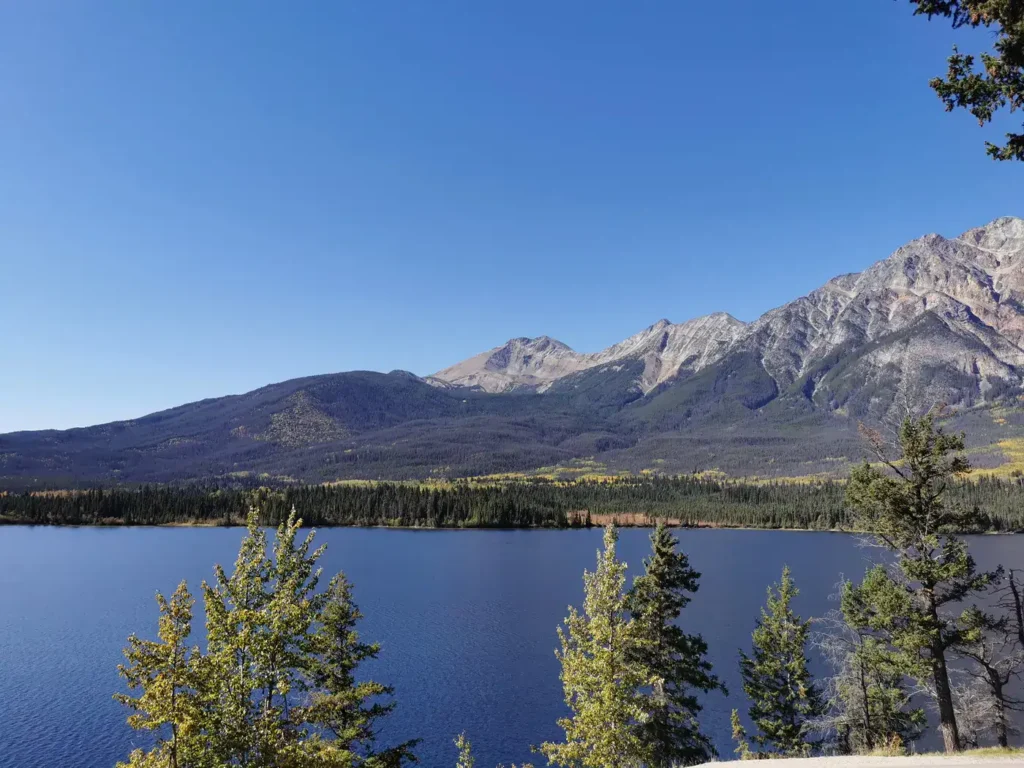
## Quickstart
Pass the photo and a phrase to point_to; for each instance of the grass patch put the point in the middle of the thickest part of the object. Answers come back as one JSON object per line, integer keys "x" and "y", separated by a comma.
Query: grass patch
{"x": 996, "y": 752}
{"x": 980, "y": 752}
{"x": 887, "y": 751}
{"x": 1013, "y": 450}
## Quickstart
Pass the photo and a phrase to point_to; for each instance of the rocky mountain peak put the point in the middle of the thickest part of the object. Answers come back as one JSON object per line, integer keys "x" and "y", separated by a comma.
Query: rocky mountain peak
{"x": 663, "y": 347}
{"x": 972, "y": 286}
{"x": 543, "y": 343}
{"x": 1004, "y": 236}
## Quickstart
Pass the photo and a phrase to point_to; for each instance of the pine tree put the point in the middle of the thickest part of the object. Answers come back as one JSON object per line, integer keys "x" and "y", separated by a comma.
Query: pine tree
{"x": 254, "y": 623}
{"x": 275, "y": 686}
{"x": 345, "y": 708}
{"x": 784, "y": 702}
{"x": 670, "y": 731}
{"x": 166, "y": 673}
{"x": 904, "y": 508}
{"x": 601, "y": 680}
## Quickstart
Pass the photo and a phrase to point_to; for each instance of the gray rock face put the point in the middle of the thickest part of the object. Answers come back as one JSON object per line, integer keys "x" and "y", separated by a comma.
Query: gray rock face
{"x": 939, "y": 318}
{"x": 665, "y": 348}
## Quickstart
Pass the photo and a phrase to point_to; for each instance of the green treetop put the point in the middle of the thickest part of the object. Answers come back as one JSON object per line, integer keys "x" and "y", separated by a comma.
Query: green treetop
{"x": 466, "y": 759}
{"x": 275, "y": 686}
{"x": 784, "y": 702}
{"x": 676, "y": 660}
{"x": 601, "y": 678}
{"x": 346, "y": 709}
{"x": 999, "y": 81}
{"x": 165, "y": 671}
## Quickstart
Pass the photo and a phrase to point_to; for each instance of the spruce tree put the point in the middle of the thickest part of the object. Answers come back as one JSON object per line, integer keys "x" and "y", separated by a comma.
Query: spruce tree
{"x": 166, "y": 673}
{"x": 257, "y": 619}
{"x": 784, "y": 702}
{"x": 903, "y": 506}
{"x": 601, "y": 679}
{"x": 880, "y": 688}
{"x": 346, "y": 709}
{"x": 670, "y": 730}
{"x": 466, "y": 759}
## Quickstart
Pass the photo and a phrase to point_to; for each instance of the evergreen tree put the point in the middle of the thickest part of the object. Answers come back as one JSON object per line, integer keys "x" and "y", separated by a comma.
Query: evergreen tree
{"x": 275, "y": 686}
{"x": 784, "y": 702}
{"x": 256, "y": 621}
{"x": 904, "y": 509}
{"x": 166, "y": 673}
{"x": 514, "y": 503}
{"x": 341, "y": 706}
{"x": 670, "y": 731}
{"x": 601, "y": 679}
{"x": 466, "y": 759}
{"x": 999, "y": 82}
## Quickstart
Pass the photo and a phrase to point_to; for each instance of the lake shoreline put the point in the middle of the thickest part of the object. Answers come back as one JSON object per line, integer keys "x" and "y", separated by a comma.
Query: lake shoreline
{"x": 427, "y": 528}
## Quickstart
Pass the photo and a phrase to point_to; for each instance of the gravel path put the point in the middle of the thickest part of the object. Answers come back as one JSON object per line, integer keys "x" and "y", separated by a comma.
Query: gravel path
{"x": 913, "y": 761}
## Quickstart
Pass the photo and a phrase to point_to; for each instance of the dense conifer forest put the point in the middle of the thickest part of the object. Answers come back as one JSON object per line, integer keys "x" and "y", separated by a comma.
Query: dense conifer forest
{"x": 683, "y": 500}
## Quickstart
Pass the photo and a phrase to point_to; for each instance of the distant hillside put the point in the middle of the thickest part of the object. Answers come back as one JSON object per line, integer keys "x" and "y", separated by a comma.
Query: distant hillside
{"x": 940, "y": 320}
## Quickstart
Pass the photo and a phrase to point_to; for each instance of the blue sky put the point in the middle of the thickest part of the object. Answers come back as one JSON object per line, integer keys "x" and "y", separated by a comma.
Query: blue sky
{"x": 199, "y": 198}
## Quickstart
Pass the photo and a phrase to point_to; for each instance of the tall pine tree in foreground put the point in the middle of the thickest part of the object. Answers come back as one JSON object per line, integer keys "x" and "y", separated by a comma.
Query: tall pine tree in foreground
{"x": 784, "y": 702}
{"x": 601, "y": 678}
{"x": 901, "y": 502}
{"x": 670, "y": 731}
{"x": 275, "y": 686}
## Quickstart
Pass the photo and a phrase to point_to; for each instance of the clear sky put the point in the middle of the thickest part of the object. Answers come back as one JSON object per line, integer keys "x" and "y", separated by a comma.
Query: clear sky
{"x": 200, "y": 198}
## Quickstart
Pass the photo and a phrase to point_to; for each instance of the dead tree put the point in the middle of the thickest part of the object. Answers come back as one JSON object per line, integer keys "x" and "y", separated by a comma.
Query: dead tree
{"x": 867, "y": 697}
{"x": 996, "y": 652}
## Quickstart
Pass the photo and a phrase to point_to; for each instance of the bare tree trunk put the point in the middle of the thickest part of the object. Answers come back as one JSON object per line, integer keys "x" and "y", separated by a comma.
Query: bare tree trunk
{"x": 174, "y": 715}
{"x": 997, "y": 694}
{"x": 868, "y": 737}
{"x": 1018, "y": 608}
{"x": 844, "y": 741}
{"x": 944, "y": 698}
{"x": 940, "y": 674}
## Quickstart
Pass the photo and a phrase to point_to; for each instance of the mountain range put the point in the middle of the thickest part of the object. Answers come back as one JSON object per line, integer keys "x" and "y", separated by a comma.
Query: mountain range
{"x": 938, "y": 321}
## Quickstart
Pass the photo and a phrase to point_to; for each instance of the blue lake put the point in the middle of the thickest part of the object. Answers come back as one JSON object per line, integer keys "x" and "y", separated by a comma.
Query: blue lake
{"x": 466, "y": 620}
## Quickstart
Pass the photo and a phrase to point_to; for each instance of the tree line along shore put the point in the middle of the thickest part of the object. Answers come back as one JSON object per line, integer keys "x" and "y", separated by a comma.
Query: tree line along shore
{"x": 680, "y": 500}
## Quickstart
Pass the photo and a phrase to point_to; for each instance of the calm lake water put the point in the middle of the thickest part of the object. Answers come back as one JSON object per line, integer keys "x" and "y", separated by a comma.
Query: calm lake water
{"x": 466, "y": 620}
